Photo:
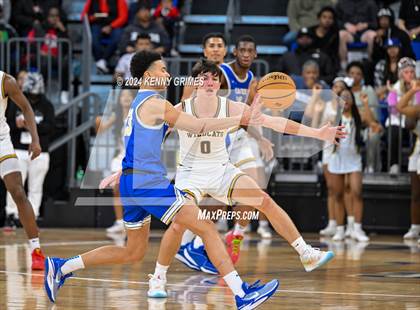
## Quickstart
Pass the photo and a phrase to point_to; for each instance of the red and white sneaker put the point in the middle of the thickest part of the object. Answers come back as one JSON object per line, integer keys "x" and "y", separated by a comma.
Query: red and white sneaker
{"x": 38, "y": 260}
{"x": 233, "y": 243}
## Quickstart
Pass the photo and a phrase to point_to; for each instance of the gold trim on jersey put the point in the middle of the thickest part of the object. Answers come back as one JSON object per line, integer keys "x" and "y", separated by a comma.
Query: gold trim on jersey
{"x": 231, "y": 186}
{"x": 227, "y": 107}
{"x": 183, "y": 106}
{"x": 2, "y": 159}
{"x": 244, "y": 161}
{"x": 192, "y": 195}
{"x": 192, "y": 101}
{"x": 3, "y": 92}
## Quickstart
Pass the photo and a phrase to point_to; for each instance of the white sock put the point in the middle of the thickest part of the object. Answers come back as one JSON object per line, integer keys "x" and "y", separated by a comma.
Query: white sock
{"x": 239, "y": 230}
{"x": 34, "y": 244}
{"x": 299, "y": 245}
{"x": 332, "y": 223}
{"x": 350, "y": 220}
{"x": 198, "y": 242}
{"x": 234, "y": 281}
{"x": 119, "y": 222}
{"x": 263, "y": 223}
{"x": 160, "y": 271}
{"x": 340, "y": 229}
{"x": 72, "y": 264}
{"x": 415, "y": 227}
{"x": 187, "y": 237}
{"x": 357, "y": 226}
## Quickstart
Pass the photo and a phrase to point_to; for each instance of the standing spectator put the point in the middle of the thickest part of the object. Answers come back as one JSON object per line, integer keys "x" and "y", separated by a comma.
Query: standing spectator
{"x": 6, "y": 30}
{"x": 356, "y": 19}
{"x": 372, "y": 135}
{"x": 51, "y": 30}
{"x": 35, "y": 170}
{"x": 6, "y": 7}
{"x": 26, "y": 14}
{"x": 395, "y": 121}
{"x": 409, "y": 19}
{"x": 167, "y": 15}
{"x": 292, "y": 62}
{"x": 325, "y": 34}
{"x": 122, "y": 69}
{"x": 107, "y": 18}
{"x": 301, "y": 14}
{"x": 387, "y": 30}
{"x": 143, "y": 23}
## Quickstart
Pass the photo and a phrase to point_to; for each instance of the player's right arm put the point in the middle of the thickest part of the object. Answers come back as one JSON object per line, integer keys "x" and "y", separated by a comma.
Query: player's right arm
{"x": 13, "y": 92}
{"x": 157, "y": 110}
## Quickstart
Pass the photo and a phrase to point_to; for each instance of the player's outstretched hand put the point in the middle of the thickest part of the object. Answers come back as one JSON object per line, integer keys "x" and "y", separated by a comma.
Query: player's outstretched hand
{"x": 266, "y": 148}
{"x": 110, "y": 181}
{"x": 34, "y": 149}
{"x": 253, "y": 115}
{"x": 331, "y": 134}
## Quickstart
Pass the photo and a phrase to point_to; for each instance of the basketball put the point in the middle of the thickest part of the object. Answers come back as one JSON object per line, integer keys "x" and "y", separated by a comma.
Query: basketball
{"x": 277, "y": 90}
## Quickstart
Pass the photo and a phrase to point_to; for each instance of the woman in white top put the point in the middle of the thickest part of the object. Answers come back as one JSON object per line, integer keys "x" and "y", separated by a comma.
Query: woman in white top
{"x": 345, "y": 161}
{"x": 409, "y": 105}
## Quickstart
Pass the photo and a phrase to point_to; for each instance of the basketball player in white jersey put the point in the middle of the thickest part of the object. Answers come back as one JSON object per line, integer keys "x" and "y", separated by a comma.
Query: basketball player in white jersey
{"x": 205, "y": 169}
{"x": 9, "y": 165}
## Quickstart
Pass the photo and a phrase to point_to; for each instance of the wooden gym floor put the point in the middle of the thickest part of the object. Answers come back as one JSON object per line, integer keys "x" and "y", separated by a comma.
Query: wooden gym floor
{"x": 383, "y": 275}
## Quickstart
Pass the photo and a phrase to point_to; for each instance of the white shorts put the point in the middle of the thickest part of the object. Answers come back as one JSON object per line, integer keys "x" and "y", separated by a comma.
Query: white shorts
{"x": 414, "y": 159}
{"x": 343, "y": 162}
{"x": 240, "y": 151}
{"x": 8, "y": 159}
{"x": 216, "y": 181}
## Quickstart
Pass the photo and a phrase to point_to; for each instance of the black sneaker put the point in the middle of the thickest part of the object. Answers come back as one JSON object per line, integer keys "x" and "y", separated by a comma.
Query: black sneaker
{"x": 10, "y": 223}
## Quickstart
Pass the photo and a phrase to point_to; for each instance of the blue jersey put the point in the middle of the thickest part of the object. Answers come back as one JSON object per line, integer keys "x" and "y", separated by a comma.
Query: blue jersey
{"x": 238, "y": 89}
{"x": 143, "y": 142}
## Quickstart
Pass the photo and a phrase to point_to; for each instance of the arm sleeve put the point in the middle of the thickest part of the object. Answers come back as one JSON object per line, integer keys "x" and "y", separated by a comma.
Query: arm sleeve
{"x": 122, "y": 17}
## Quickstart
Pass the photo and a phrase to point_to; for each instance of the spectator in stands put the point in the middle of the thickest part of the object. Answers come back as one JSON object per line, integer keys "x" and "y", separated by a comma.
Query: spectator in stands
{"x": 167, "y": 15}
{"x": 373, "y": 134}
{"x": 122, "y": 69}
{"x": 346, "y": 160}
{"x": 395, "y": 121}
{"x": 6, "y": 30}
{"x": 409, "y": 106}
{"x": 325, "y": 34}
{"x": 107, "y": 18}
{"x": 387, "y": 30}
{"x": 34, "y": 170}
{"x": 6, "y": 9}
{"x": 386, "y": 70}
{"x": 26, "y": 13}
{"x": 409, "y": 19}
{"x": 20, "y": 79}
{"x": 292, "y": 62}
{"x": 302, "y": 14}
{"x": 356, "y": 19}
{"x": 53, "y": 29}
{"x": 143, "y": 23}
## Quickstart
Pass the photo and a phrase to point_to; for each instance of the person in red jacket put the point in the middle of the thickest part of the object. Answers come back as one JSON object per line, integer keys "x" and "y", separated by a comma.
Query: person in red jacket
{"x": 167, "y": 15}
{"x": 106, "y": 17}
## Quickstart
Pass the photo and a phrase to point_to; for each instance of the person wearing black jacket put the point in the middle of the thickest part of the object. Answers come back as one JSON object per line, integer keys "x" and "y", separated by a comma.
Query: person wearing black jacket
{"x": 35, "y": 170}
{"x": 292, "y": 62}
{"x": 387, "y": 30}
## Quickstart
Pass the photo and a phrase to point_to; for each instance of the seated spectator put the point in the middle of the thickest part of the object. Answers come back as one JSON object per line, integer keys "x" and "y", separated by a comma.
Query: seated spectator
{"x": 6, "y": 30}
{"x": 292, "y": 62}
{"x": 26, "y": 13}
{"x": 166, "y": 14}
{"x": 51, "y": 30}
{"x": 107, "y": 18}
{"x": 33, "y": 170}
{"x": 302, "y": 14}
{"x": 386, "y": 70}
{"x": 143, "y": 23}
{"x": 325, "y": 34}
{"x": 406, "y": 74}
{"x": 356, "y": 19}
{"x": 6, "y": 7}
{"x": 387, "y": 30}
{"x": 372, "y": 135}
{"x": 409, "y": 19}
{"x": 122, "y": 69}
{"x": 20, "y": 78}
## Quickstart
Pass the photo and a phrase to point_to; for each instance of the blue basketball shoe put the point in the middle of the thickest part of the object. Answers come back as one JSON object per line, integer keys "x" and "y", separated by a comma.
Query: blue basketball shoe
{"x": 183, "y": 258}
{"x": 53, "y": 278}
{"x": 256, "y": 294}
{"x": 200, "y": 258}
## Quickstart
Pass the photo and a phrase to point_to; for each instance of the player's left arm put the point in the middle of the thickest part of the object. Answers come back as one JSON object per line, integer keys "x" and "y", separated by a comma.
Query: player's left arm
{"x": 284, "y": 125}
{"x": 13, "y": 92}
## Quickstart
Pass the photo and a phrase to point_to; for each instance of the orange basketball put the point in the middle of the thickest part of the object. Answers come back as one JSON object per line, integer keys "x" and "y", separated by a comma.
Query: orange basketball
{"x": 277, "y": 90}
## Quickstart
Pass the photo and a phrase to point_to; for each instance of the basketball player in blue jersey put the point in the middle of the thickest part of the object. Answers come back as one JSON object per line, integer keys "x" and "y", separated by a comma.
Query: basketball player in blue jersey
{"x": 146, "y": 190}
{"x": 205, "y": 168}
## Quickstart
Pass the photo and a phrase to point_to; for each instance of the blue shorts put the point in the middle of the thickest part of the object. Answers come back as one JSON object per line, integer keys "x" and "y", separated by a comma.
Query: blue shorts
{"x": 162, "y": 200}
